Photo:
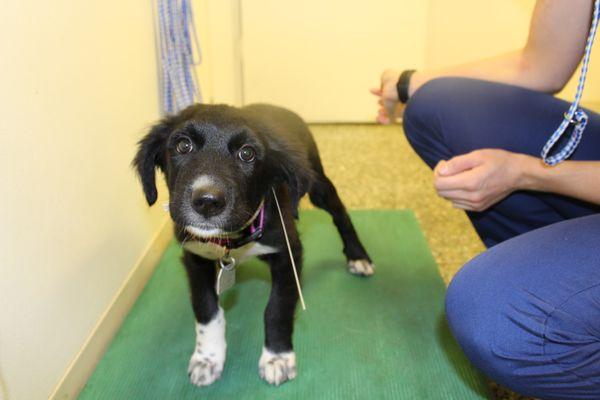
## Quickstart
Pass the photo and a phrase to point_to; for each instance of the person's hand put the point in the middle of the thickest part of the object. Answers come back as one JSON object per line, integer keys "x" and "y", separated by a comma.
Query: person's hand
{"x": 390, "y": 107}
{"x": 477, "y": 180}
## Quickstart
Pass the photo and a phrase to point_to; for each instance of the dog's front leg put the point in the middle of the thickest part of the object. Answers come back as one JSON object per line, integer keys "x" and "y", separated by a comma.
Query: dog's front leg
{"x": 208, "y": 359}
{"x": 277, "y": 363}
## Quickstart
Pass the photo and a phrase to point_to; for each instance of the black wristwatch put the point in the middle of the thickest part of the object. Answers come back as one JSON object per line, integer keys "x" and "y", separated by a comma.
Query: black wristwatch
{"x": 402, "y": 85}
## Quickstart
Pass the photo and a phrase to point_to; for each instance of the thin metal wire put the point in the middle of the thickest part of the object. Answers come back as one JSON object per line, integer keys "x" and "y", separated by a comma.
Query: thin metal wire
{"x": 289, "y": 247}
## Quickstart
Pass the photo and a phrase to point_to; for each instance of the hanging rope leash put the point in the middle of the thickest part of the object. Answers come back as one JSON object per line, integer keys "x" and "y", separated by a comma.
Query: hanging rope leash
{"x": 179, "y": 83}
{"x": 575, "y": 116}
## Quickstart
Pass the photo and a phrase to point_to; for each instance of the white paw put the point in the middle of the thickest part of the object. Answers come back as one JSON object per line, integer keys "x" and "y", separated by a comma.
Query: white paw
{"x": 277, "y": 368}
{"x": 361, "y": 267}
{"x": 204, "y": 370}
{"x": 206, "y": 363}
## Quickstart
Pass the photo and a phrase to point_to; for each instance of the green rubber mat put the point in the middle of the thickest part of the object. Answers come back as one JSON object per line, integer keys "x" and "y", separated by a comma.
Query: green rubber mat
{"x": 382, "y": 337}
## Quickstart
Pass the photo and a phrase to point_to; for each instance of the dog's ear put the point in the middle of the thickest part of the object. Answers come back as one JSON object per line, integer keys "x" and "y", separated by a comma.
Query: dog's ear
{"x": 293, "y": 169}
{"x": 150, "y": 155}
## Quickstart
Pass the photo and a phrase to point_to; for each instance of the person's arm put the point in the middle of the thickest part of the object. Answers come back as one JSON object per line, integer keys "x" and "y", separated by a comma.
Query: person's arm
{"x": 479, "y": 179}
{"x": 547, "y": 61}
{"x": 577, "y": 179}
{"x": 554, "y": 48}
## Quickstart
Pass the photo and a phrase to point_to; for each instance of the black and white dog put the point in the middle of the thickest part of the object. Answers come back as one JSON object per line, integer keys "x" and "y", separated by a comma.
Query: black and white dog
{"x": 223, "y": 167}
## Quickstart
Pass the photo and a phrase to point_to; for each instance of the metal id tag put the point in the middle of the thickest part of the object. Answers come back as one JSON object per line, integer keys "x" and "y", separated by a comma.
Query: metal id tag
{"x": 226, "y": 275}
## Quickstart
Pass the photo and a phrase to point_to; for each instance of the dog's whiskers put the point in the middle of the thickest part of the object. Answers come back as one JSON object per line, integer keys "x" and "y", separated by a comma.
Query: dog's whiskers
{"x": 187, "y": 236}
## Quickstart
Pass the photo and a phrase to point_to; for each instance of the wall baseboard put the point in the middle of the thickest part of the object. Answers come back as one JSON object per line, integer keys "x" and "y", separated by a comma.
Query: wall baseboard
{"x": 82, "y": 367}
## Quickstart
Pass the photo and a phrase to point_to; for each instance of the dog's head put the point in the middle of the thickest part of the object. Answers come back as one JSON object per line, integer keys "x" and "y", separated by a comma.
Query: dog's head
{"x": 218, "y": 166}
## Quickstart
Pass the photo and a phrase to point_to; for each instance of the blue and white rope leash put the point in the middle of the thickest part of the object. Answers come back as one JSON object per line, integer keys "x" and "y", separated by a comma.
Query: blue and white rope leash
{"x": 575, "y": 115}
{"x": 179, "y": 86}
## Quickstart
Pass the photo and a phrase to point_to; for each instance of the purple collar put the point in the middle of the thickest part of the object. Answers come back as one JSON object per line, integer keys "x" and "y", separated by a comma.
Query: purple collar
{"x": 253, "y": 231}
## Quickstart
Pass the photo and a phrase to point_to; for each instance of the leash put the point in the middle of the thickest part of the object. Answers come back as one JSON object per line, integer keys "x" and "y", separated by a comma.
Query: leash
{"x": 289, "y": 247}
{"x": 575, "y": 116}
{"x": 179, "y": 83}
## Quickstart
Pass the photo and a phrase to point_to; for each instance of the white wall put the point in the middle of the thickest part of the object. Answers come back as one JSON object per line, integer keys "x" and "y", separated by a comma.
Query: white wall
{"x": 320, "y": 58}
{"x": 464, "y": 30}
{"x": 218, "y": 25}
{"x": 77, "y": 90}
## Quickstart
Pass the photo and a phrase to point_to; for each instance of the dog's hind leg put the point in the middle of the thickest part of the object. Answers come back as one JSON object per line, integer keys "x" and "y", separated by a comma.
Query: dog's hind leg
{"x": 324, "y": 195}
{"x": 208, "y": 358}
{"x": 277, "y": 362}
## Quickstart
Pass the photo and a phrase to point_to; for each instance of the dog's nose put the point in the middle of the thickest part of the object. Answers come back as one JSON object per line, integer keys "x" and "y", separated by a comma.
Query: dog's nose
{"x": 208, "y": 202}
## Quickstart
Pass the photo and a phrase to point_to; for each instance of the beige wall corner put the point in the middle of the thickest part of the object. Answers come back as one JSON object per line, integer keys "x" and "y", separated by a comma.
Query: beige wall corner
{"x": 96, "y": 344}
{"x": 220, "y": 72}
{"x": 79, "y": 84}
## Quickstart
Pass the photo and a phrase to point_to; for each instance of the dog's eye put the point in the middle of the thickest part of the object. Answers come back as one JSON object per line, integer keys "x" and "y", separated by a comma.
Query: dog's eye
{"x": 184, "y": 146}
{"x": 247, "y": 153}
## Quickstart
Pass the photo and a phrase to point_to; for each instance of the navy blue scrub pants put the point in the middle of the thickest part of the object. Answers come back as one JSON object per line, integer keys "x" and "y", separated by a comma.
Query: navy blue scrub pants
{"x": 527, "y": 311}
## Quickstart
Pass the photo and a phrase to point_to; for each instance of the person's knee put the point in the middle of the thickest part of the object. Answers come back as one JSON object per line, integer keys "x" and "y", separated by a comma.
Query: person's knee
{"x": 424, "y": 117}
{"x": 423, "y": 108}
{"x": 430, "y": 97}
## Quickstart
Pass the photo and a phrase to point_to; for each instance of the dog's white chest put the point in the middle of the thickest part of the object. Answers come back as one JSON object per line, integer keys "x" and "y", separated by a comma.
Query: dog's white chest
{"x": 212, "y": 251}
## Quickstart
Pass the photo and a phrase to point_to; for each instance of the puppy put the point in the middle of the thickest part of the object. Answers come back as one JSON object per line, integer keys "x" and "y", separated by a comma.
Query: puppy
{"x": 223, "y": 167}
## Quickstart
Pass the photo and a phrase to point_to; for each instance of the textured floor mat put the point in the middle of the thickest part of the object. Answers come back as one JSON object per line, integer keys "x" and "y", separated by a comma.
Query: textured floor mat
{"x": 382, "y": 337}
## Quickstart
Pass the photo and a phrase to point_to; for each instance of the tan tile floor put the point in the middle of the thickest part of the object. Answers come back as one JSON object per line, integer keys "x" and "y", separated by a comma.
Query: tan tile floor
{"x": 373, "y": 166}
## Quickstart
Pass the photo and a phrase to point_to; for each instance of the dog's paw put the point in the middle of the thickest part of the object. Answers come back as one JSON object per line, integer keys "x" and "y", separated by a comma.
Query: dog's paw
{"x": 361, "y": 267}
{"x": 206, "y": 363}
{"x": 204, "y": 370}
{"x": 277, "y": 368}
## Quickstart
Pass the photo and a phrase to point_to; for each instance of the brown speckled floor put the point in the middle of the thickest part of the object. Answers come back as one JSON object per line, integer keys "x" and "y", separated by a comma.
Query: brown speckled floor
{"x": 373, "y": 166}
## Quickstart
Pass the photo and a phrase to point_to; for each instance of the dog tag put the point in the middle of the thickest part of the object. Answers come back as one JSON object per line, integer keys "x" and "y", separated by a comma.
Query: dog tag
{"x": 226, "y": 275}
